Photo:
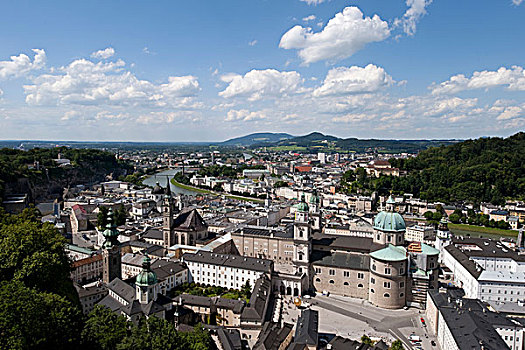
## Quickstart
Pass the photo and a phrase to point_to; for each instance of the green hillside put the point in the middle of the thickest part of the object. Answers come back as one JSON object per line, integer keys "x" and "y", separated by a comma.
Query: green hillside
{"x": 486, "y": 169}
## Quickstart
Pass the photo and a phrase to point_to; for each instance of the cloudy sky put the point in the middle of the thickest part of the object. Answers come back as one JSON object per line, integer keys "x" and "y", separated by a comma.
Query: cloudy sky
{"x": 210, "y": 70}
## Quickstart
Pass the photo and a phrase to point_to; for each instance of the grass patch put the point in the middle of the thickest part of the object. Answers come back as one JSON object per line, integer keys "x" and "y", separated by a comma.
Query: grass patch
{"x": 482, "y": 229}
{"x": 203, "y": 191}
{"x": 288, "y": 148}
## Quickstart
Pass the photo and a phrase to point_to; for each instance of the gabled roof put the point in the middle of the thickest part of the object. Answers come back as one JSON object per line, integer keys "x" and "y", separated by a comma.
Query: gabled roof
{"x": 306, "y": 331}
{"x": 189, "y": 221}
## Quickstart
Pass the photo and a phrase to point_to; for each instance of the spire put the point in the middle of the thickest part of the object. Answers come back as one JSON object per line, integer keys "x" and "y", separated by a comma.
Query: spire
{"x": 110, "y": 233}
{"x": 168, "y": 189}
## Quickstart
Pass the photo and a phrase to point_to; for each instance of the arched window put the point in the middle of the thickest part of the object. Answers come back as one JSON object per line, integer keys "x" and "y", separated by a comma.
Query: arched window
{"x": 332, "y": 282}
{"x": 318, "y": 280}
{"x": 386, "y": 295}
{"x": 360, "y": 285}
{"x": 346, "y": 283}
{"x": 401, "y": 295}
{"x": 372, "y": 290}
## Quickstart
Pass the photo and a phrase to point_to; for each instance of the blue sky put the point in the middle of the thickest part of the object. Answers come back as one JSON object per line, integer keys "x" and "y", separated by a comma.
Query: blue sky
{"x": 209, "y": 70}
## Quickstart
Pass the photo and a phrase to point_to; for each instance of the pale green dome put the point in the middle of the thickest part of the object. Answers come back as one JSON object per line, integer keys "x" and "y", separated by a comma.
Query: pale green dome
{"x": 389, "y": 221}
{"x": 146, "y": 277}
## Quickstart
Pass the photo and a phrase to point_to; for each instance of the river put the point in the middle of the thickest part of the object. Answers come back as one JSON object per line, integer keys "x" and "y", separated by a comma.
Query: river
{"x": 161, "y": 179}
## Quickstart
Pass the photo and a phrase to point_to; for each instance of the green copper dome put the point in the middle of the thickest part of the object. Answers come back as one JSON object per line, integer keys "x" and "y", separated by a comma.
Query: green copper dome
{"x": 389, "y": 221}
{"x": 146, "y": 277}
{"x": 302, "y": 206}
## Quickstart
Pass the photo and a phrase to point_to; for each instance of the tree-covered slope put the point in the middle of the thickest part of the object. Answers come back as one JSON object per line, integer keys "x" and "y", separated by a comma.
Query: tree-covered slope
{"x": 19, "y": 174}
{"x": 486, "y": 169}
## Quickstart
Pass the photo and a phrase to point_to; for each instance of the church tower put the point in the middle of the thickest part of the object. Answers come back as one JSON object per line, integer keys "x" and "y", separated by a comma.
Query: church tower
{"x": 111, "y": 251}
{"x": 146, "y": 286}
{"x": 315, "y": 211}
{"x": 167, "y": 217}
{"x": 302, "y": 238}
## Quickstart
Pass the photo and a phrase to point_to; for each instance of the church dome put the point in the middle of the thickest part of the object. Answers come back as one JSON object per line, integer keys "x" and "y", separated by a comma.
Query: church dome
{"x": 146, "y": 277}
{"x": 389, "y": 221}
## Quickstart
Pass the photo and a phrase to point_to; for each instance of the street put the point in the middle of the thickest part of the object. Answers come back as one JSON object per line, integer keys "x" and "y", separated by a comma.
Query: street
{"x": 351, "y": 318}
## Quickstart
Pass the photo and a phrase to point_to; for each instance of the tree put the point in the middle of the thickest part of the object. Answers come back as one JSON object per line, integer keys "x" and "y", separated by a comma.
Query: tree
{"x": 365, "y": 339}
{"x": 246, "y": 290}
{"x": 280, "y": 183}
{"x": 397, "y": 345}
{"x": 102, "y": 217}
{"x": 31, "y": 319}
{"x": 455, "y": 218}
{"x": 104, "y": 329}
{"x": 428, "y": 215}
{"x": 33, "y": 253}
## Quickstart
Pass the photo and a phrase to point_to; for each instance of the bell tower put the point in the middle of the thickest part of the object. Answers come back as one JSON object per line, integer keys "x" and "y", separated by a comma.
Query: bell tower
{"x": 111, "y": 251}
{"x": 302, "y": 239}
{"x": 167, "y": 216}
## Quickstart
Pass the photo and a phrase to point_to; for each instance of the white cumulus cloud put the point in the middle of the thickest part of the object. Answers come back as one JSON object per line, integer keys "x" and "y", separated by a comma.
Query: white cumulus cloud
{"x": 257, "y": 84}
{"x": 513, "y": 79}
{"x": 83, "y": 82}
{"x": 104, "y": 54}
{"x": 314, "y": 2}
{"x": 22, "y": 64}
{"x": 416, "y": 10}
{"x": 345, "y": 34}
{"x": 517, "y": 2}
{"x": 354, "y": 80}
{"x": 244, "y": 115}
{"x": 309, "y": 18}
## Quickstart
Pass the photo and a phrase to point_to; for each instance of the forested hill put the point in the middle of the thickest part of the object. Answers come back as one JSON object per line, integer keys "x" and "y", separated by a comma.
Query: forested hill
{"x": 19, "y": 172}
{"x": 485, "y": 169}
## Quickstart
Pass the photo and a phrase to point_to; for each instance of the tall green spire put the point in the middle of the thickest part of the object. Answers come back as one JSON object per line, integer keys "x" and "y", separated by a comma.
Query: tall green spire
{"x": 110, "y": 233}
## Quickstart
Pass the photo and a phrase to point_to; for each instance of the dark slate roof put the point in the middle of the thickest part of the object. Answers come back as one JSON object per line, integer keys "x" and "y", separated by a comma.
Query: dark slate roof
{"x": 236, "y": 261}
{"x": 358, "y": 244}
{"x": 230, "y": 338}
{"x": 153, "y": 233}
{"x": 256, "y": 308}
{"x": 340, "y": 343}
{"x": 463, "y": 259}
{"x": 307, "y": 328}
{"x": 189, "y": 221}
{"x": 231, "y": 304}
{"x": 470, "y": 323}
{"x": 122, "y": 289}
{"x": 487, "y": 248}
{"x": 165, "y": 268}
{"x": 341, "y": 259}
{"x": 272, "y": 336}
{"x": 196, "y": 300}
{"x": 267, "y": 232}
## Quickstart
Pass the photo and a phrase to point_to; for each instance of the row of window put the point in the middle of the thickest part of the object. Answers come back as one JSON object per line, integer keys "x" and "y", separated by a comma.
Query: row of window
{"x": 387, "y": 295}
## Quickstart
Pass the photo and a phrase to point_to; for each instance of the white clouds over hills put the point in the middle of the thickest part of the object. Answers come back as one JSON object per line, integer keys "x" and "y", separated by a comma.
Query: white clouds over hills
{"x": 258, "y": 84}
{"x": 513, "y": 79}
{"x": 20, "y": 65}
{"x": 84, "y": 82}
{"x": 345, "y": 34}
{"x": 352, "y": 80}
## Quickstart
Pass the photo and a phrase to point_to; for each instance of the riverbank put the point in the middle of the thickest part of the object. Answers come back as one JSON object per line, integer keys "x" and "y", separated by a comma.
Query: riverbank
{"x": 204, "y": 191}
{"x": 465, "y": 229}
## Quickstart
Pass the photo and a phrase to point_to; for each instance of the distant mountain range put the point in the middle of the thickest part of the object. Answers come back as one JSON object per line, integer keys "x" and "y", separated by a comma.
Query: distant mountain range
{"x": 317, "y": 141}
{"x": 257, "y": 138}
